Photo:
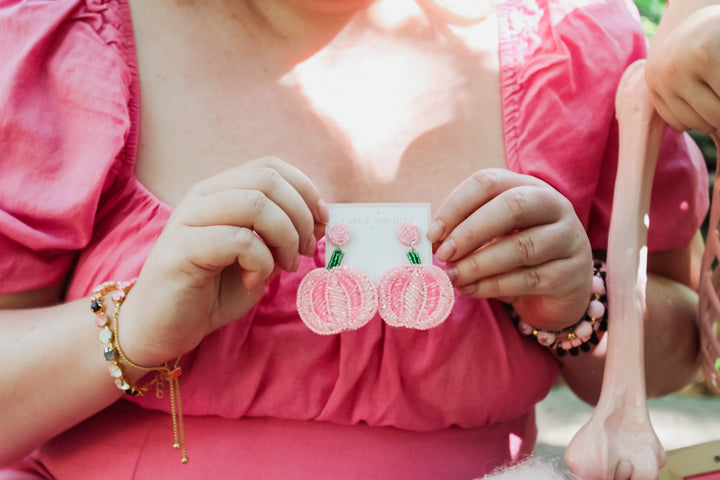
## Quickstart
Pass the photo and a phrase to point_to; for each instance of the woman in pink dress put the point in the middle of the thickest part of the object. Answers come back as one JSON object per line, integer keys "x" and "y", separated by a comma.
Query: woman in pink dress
{"x": 194, "y": 145}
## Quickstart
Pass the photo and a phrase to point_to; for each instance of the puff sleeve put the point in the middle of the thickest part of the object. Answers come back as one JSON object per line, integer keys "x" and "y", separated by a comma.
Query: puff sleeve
{"x": 562, "y": 62}
{"x": 64, "y": 90}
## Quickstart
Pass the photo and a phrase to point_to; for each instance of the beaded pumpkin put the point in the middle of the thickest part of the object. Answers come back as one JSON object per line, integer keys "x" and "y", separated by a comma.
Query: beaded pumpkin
{"x": 337, "y": 298}
{"x": 414, "y": 296}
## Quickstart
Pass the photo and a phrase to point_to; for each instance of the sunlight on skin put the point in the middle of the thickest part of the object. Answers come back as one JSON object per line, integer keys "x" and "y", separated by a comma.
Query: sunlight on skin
{"x": 371, "y": 120}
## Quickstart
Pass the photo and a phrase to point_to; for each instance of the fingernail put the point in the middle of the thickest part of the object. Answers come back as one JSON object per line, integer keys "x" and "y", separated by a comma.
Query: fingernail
{"x": 468, "y": 289}
{"x": 452, "y": 274}
{"x": 446, "y": 250}
{"x": 323, "y": 212}
{"x": 435, "y": 231}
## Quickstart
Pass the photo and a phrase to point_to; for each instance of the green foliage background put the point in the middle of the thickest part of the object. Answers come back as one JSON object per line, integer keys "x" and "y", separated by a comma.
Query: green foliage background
{"x": 651, "y": 11}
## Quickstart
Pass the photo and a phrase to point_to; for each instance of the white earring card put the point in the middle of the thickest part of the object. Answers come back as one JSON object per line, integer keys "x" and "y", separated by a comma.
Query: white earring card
{"x": 374, "y": 246}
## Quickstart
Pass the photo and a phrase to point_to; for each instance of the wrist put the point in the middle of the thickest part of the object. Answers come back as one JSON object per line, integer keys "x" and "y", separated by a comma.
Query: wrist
{"x": 132, "y": 335}
{"x": 582, "y": 334}
{"x": 126, "y": 372}
{"x": 546, "y": 313}
{"x": 104, "y": 302}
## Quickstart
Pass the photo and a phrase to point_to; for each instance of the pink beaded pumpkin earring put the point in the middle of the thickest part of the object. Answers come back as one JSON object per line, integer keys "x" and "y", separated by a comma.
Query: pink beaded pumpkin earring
{"x": 337, "y": 298}
{"x": 414, "y": 296}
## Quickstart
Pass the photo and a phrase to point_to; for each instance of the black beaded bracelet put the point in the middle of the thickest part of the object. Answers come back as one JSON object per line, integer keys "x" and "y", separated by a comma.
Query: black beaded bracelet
{"x": 586, "y": 332}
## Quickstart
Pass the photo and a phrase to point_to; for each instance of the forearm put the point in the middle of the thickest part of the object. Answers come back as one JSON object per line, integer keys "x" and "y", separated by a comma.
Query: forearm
{"x": 671, "y": 337}
{"x": 671, "y": 344}
{"x": 53, "y": 375}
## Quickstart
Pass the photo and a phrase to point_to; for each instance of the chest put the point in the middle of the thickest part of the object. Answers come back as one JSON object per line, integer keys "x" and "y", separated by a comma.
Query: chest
{"x": 399, "y": 114}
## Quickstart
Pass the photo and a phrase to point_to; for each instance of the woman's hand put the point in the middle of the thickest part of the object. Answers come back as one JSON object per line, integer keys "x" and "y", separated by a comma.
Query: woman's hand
{"x": 226, "y": 239}
{"x": 513, "y": 237}
{"x": 683, "y": 66}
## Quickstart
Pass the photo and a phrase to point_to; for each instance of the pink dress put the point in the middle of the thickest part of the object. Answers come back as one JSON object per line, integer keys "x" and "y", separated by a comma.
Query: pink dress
{"x": 264, "y": 397}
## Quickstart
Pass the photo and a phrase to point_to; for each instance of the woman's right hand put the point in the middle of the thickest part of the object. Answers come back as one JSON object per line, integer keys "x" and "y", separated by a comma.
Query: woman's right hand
{"x": 223, "y": 243}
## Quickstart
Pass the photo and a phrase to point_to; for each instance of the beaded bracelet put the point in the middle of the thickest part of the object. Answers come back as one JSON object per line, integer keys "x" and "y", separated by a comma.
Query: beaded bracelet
{"x": 112, "y": 350}
{"x": 107, "y": 337}
{"x": 587, "y": 331}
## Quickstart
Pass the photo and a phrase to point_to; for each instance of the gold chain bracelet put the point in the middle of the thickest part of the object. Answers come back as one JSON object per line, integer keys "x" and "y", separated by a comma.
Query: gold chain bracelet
{"x": 110, "y": 340}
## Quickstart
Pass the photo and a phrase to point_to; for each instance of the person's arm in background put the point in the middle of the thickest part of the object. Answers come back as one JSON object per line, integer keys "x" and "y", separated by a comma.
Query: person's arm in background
{"x": 683, "y": 66}
{"x": 671, "y": 335}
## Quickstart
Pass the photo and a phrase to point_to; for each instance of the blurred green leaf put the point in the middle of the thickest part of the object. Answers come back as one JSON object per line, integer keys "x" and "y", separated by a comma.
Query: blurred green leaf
{"x": 651, "y": 11}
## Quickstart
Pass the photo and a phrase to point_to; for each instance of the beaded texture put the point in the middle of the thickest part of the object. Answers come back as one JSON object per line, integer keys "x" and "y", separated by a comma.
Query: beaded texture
{"x": 408, "y": 233}
{"x": 580, "y": 336}
{"x": 414, "y": 296}
{"x": 107, "y": 336}
{"x": 337, "y": 298}
{"x": 339, "y": 234}
{"x": 112, "y": 351}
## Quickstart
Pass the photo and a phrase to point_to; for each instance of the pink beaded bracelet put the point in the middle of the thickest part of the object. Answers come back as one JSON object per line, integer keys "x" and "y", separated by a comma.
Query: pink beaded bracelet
{"x": 586, "y": 332}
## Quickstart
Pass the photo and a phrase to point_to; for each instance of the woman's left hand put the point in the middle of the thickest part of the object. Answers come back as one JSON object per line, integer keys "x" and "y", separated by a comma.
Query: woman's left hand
{"x": 513, "y": 237}
{"x": 683, "y": 66}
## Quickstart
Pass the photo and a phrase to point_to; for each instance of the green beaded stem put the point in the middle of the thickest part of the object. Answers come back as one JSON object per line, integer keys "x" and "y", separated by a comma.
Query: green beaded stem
{"x": 336, "y": 258}
{"x": 414, "y": 257}
{"x": 717, "y": 364}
